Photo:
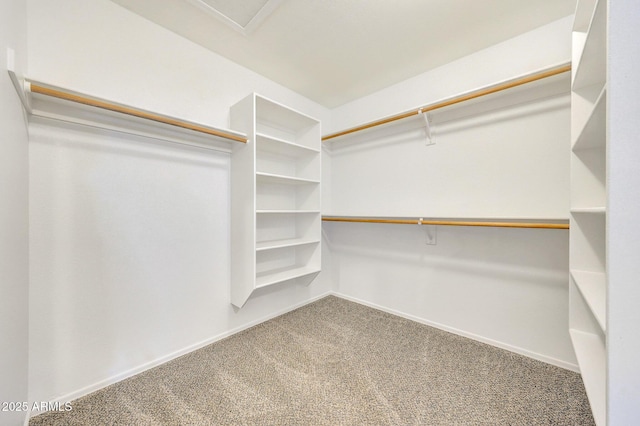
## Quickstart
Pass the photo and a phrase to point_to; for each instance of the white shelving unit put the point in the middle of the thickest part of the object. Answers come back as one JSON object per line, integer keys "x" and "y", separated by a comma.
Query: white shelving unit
{"x": 588, "y": 237}
{"x": 275, "y": 206}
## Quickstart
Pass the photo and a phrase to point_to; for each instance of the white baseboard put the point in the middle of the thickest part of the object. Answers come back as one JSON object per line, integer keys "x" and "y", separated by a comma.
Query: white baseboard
{"x": 482, "y": 339}
{"x": 158, "y": 361}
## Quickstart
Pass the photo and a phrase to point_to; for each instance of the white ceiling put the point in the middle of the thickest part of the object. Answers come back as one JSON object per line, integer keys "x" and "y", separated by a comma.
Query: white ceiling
{"x": 334, "y": 51}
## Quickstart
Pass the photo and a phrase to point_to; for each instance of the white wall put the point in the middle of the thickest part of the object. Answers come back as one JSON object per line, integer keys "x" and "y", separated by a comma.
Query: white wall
{"x": 540, "y": 48}
{"x": 505, "y": 163}
{"x": 130, "y": 239}
{"x": 623, "y": 210}
{"x": 503, "y": 286}
{"x": 14, "y": 261}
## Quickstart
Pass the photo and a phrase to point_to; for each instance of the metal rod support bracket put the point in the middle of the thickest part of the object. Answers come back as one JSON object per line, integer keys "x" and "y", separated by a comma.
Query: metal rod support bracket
{"x": 430, "y": 232}
{"x": 427, "y": 128}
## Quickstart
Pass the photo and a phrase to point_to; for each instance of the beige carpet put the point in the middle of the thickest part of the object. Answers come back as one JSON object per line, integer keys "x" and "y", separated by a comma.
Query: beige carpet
{"x": 335, "y": 362}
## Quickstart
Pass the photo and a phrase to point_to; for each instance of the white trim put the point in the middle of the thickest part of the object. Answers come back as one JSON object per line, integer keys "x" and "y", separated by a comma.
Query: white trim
{"x": 472, "y": 336}
{"x": 158, "y": 361}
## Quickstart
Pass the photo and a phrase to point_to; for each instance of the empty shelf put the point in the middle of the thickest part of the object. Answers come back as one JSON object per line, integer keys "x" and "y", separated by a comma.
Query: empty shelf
{"x": 589, "y": 210}
{"x": 40, "y": 91}
{"x": 592, "y": 66}
{"x": 593, "y": 287}
{"x": 590, "y": 351}
{"x": 280, "y": 146}
{"x": 287, "y": 211}
{"x": 284, "y": 180}
{"x": 282, "y": 117}
{"x": 279, "y": 275}
{"x": 593, "y": 133}
{"x": 293, "y": 242}
{"x": 497, "y": 223}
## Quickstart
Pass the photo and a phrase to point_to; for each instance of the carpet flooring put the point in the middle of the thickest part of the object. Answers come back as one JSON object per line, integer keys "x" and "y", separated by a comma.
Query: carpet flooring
{"x": 335, "y": 362}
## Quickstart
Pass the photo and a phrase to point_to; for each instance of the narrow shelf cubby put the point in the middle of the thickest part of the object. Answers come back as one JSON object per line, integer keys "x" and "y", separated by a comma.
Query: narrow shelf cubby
{"x": 282, "y": 229}
{"x": 274, "y": 193}
{"x": 593, "y": 289}
{"x": 279, "y": 157}
{"x": 592, "y": 57}
{"x": 592, "y": 133}
{"x": 587, "y": 242}
{"x": 286, "y": 263}
{"x": 588, "y": 178}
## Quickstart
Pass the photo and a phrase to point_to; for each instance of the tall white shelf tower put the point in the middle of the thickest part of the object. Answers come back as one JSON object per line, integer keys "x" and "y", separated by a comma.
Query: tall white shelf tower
{"x": 588, "y": 259}
{"x": 275, "y": 203}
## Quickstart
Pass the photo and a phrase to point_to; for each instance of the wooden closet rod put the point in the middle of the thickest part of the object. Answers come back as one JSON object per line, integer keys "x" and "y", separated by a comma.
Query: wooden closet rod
{"x": 57, "y": 93}
{"x": 455, "y": 100}
{"x": 503, "y": 224}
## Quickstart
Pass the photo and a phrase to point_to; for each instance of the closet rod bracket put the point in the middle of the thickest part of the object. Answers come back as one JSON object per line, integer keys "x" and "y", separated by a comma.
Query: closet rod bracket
{"x": 430, "y": 232}
{"x": 21, "y": 85}
{"x": 427, "y": 128}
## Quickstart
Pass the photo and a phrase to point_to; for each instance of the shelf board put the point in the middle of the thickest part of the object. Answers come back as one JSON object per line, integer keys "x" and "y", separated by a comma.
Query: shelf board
{"x": 283, "y": 274}
{"x": 288, "y": 211}
{"x": 486, "y": 222}
{"x": 283, "y": 180}
{"x": 589, "y": 210}
{"x": 282, "y": 147}
{"x": 51, "y": 102}
{"x": 457, "y": 99}
{"x": 276, "y": 244}
{"x": 591, "y": 67}
{"x": 593, "y": 133}
{"x": 280, "y": 116}
{"x": 593, "y": 287}
{"x": 591, "y": 354}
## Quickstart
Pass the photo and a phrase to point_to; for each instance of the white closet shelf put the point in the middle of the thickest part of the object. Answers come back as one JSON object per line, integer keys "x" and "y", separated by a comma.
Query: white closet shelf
{"x": 49, "y": 102}
{"x": 593, "y": 133}
{"x": 589, "y": 210}
{"x": 284, "y": 180}
{"x": 593, "y": 287}
{"x": 280, "y": 146}
{"x": 292, "y": 242}
{"x": 591, "y": 67}
{"x": 488, "y": 90}
{"x": 277, "y": 115}
{"x": 486, "y": 222}
{"x": 590, "y": 351}
{"x": 288, "y": 211}
{"x": 284, "y": 274}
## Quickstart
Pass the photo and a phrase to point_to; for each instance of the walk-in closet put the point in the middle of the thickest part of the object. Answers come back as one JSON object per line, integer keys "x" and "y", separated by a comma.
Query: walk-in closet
{"x": 335, "y": 212}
